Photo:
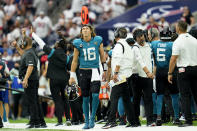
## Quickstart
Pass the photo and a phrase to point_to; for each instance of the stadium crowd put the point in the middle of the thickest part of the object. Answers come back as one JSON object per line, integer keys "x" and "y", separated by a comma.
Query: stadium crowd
{"x": 160, "y": 105}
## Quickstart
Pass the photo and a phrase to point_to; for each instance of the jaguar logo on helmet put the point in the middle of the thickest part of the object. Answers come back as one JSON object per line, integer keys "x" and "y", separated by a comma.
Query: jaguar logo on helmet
{"x": 73, "y": 92}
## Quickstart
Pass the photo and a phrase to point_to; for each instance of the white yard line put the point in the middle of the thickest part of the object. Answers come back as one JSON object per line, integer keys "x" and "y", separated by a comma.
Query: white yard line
{"x": 98, "y": 128}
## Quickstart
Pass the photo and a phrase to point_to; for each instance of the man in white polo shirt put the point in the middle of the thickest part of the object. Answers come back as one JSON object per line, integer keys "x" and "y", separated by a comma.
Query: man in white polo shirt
{"x": 184, "y": 54}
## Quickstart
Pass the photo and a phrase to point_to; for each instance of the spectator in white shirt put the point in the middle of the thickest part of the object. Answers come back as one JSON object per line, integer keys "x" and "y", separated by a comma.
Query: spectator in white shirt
{"x": 2, "y": 18}
{"x": 74, "y": 30}
{"x": 43, "y": 26}
{"x": 119, "y": 7}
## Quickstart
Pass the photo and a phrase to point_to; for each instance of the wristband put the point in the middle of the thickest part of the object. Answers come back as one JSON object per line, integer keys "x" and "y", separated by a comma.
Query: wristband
{"x": 169, "y": 73}
{"x": 73, "y": 75}
{"x": 104, "y": 64}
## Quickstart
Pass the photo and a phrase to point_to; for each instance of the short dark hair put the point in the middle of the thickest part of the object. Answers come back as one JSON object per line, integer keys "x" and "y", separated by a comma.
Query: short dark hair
{"x": 138, "y": 33}
{"x": 182, "y": 26}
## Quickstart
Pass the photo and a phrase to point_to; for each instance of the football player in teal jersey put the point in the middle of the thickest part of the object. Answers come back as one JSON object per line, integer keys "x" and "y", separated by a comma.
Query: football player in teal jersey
{"x": 88, "y": 50}
{"x": 162, "y": 50}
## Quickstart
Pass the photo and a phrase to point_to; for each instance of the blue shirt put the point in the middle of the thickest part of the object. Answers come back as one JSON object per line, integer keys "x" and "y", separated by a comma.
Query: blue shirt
{"x": 162, "y": 52}
{"x": 88, "y": 52}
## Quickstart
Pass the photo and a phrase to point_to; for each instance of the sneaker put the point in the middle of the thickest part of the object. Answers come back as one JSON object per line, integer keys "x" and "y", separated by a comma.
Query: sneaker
{"x": 43, "y": 125}
{"x": 75, "y": 123}
{"x": 122, "y": 121}
{"x": 158, "y": 122}
{"x": 131, "y": 125}
{"x": 1, "y": 123}
{"x": 68, "y": 123}
{"x": 109, "y": 125}
{"x": 91, "y": 124}
{"x": 59, "y": 124}
{"x": 151, "y": 124}
{"x": 176, "y": 122}
{"x": 182, "y": 118}
{"x": 31, "y": 126}
{"x": 86, "y": 126}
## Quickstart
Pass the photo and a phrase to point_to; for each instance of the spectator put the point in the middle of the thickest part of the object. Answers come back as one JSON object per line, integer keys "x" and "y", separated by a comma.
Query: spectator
{"x": 119, "y": 7}
{"x": 43, "y": 26}
{"x": 74, "y": 30}
{"x": 152, "y": 23}
{"x": 187, "y": 16}
{"x": 143, "y": 23}
{"x": 40, "y": 5}
{"x": 163, "y": 23}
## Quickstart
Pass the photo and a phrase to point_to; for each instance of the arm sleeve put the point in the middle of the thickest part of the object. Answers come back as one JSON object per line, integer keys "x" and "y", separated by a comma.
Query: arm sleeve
{"x": 38, "y": 40}
{"x": 138, "y": 56}
{"x": 118, "y": 53}
{"x": 30, "y": 60}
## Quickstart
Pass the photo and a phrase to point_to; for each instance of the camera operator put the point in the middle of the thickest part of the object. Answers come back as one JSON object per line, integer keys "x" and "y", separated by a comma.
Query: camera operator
{"x": 162, "y": 50}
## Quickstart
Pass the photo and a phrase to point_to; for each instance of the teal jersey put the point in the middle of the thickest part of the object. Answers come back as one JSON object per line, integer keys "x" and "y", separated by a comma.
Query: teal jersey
{"x": 88, "y": 52}
{"x": 110, "y": 53}
{"x": 162, "y": 52}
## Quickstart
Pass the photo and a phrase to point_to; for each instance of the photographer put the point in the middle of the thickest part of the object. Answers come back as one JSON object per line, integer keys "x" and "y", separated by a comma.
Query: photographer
{"x": 57, "y": 73}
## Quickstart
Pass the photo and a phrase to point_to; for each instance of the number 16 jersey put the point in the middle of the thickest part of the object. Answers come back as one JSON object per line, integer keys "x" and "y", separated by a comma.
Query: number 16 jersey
{"x": 88, "y": 52}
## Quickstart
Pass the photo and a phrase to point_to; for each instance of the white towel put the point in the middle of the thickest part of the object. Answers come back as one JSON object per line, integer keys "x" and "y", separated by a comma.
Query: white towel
{"x": 95, "y": 75}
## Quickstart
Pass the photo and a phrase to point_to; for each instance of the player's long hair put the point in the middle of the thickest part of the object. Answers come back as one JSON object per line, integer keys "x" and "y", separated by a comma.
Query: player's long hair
{"x": 93, "y": 34}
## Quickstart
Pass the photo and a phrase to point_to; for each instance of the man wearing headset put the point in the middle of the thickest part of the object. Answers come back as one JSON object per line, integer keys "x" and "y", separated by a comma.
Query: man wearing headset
{"x": 143, "y": 79}
{"x": 28, "y": 73}
{"x": 121, "y": 64}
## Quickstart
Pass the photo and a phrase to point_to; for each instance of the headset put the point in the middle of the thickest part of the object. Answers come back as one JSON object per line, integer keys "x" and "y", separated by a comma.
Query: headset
{"x": 22, "y": 41}
{"x": 120, "y": 33}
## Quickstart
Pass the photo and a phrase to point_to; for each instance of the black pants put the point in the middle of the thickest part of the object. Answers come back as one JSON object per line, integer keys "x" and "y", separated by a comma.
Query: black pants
{"x": 17, "y": 101}
{"x": 77, "y": 111}
{"x": 57, "y": 88}
{"x": 143, "y": 86}
{"x": 117, "y": 91}
{"x": 187, "y": 83}
{"x": 31, "y": 93}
